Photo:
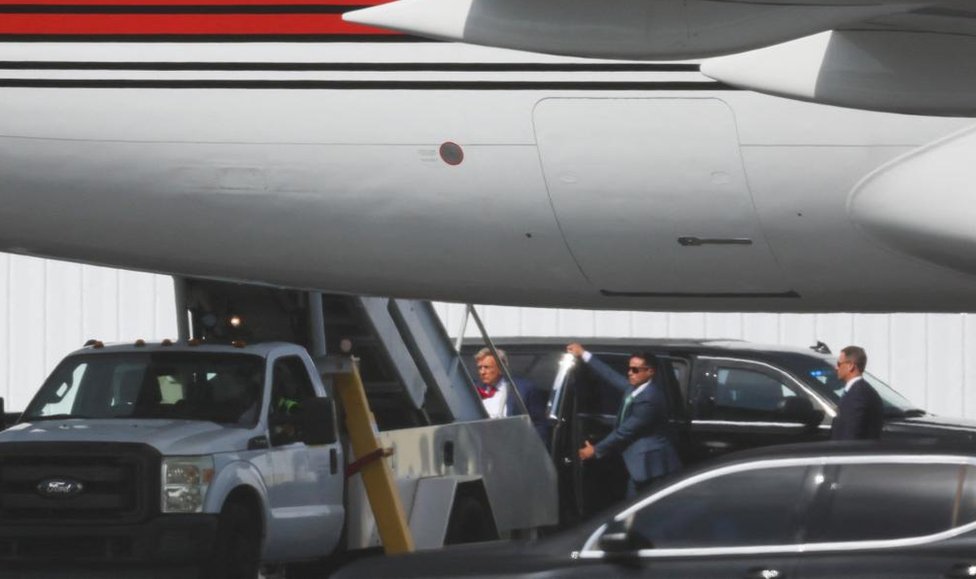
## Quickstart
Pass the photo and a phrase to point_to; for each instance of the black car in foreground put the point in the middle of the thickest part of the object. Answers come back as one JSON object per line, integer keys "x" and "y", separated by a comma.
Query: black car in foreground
{"x": 823, "y": 510}
{"x": 725, "y": 395}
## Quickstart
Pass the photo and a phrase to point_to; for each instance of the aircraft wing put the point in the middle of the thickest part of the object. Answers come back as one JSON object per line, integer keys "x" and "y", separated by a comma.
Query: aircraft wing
{"x": 628, "y": 29}
{"x": 899, "y": 56}
{"x": 920, "y": 61}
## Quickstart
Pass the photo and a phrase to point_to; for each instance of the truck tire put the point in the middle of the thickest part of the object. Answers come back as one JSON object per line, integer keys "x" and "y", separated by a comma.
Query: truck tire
{"x": 470, "y": 522}
{"x": 237, "y": 546}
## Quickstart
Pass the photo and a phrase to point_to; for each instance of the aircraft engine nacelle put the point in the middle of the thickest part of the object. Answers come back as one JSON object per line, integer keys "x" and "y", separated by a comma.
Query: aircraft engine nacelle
{"x": 923, "y": 73}
{"x": 631, "y": 29}
{"x": 923, "y": 204}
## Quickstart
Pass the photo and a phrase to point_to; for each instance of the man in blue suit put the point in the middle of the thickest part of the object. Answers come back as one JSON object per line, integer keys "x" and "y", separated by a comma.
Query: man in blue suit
{"x": 860, "y": 415}
{"x": 644, "y": 435}
{"x": 499, "y": 401}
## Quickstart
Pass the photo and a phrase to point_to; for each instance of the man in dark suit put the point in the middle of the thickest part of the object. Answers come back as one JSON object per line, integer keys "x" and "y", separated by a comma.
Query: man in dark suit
{"x": 499, "y": 401}
{"x": 860, "y": 415}
{"x": 644, "y": 435}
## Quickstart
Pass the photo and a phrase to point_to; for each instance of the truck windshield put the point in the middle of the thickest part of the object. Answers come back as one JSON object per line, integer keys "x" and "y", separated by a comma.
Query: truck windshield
{"x": 216, "y": 387}
{"x": 820, "y": 374}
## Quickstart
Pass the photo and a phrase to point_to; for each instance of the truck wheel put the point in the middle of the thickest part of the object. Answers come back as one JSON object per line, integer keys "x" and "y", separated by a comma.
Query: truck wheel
{"x": 470, "y": 522}
{"x": 237, "y": 547}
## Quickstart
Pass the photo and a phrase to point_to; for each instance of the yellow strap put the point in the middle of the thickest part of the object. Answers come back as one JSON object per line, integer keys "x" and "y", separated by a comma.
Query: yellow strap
{"x": 381, "y": 490}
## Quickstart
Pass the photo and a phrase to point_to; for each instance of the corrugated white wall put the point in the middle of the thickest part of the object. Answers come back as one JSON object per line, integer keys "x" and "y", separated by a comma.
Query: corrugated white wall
{"x": 49, "y": 308}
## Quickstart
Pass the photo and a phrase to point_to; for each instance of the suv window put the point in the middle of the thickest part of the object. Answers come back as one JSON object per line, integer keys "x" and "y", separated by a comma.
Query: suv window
{"x": 752, "y": 508}
{"x": 738, "y": 392}
{"x": 539, "y": 368}
{"x": 865, "y": 502}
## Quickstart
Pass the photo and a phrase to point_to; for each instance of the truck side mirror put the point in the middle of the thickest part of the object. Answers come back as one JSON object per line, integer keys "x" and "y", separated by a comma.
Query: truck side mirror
{"x": 318, "y": 421}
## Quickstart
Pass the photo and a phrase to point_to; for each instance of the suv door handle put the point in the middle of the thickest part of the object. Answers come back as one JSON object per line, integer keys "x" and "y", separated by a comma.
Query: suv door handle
{"x": 961, "y": 571}
{"x": 764, "y": 573}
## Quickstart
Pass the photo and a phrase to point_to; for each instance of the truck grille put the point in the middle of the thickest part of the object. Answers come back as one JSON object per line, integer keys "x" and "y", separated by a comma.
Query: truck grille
{"x": 77, "y": 482}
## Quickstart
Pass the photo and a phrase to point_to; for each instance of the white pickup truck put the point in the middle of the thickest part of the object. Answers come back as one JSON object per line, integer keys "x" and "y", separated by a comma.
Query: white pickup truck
{"x": 231, "y": 460}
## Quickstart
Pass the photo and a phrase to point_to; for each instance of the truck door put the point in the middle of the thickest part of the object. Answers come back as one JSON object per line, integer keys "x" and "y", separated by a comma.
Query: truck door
{"x": 306, "y": 495}
{"x": 738, "y": 404}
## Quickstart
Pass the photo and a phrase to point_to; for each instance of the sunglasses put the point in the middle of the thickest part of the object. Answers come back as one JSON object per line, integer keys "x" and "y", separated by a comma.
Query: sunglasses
{"x": 636, "y": 369}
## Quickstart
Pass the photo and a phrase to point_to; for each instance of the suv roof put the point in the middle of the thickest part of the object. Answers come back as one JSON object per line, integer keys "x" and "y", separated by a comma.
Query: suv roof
{"x": 703, "y": 346}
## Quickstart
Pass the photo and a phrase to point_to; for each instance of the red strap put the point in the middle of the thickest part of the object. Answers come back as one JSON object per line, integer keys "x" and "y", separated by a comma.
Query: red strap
{"x": 357, "y": 465}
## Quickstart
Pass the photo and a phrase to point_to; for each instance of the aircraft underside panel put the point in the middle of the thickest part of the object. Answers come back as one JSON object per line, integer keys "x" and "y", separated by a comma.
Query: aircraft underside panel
{"x": 659, "y": 184}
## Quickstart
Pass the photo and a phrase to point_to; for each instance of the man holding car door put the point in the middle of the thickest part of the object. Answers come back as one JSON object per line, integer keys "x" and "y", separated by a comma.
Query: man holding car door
{"x": 643, "y": 433}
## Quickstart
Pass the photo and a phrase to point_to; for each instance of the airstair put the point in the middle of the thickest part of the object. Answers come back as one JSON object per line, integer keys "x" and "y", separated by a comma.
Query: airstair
{"x": 411, "y": 370}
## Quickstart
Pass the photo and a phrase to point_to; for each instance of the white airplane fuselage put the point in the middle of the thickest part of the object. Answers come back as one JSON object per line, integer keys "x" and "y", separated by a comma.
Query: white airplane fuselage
{"x": 578, "y": 183}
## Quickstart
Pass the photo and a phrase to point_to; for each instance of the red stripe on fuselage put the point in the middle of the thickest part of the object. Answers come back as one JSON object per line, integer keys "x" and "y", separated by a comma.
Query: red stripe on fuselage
{"x": 48, "y": 21}
{"x": 196, "y": 2}
{"x": 182, "y": 24}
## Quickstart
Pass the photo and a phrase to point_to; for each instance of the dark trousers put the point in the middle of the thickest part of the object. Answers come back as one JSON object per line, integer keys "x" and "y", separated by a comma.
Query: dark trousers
{"x": 635, "y": 488}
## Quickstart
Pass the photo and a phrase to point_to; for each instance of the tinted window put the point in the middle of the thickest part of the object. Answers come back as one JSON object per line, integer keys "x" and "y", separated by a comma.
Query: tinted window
{"x": 538, "y": 368}
{"x": 887, "y": 501}
{"x": 681, "y": 370}
{"x": 819, "y": 373}
{"x": 757, "y": 507}
{"x": 739, "y": 393}
{"x": 593, "y": 395}
{"x": 965, "y": 512}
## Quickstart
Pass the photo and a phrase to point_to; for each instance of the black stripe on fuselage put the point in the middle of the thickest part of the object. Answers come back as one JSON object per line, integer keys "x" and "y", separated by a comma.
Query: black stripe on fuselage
{"x": 353, "y": 66}
{"x": 487, "y": 85}
{"x": 791, "y": 294}
{"x": 176, "y": 9}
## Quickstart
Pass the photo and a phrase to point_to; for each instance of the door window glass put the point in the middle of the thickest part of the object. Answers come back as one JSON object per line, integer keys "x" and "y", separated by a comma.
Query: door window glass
{"x": 680, "y": 369}
{"x": 596, "y": 397}
{"x": 748, "y": 395}
{"x": 290, "y": 385}
{"x": 752, "y": 508}
{"x": 866, "y": 502}
{"x": 964, "y": 511}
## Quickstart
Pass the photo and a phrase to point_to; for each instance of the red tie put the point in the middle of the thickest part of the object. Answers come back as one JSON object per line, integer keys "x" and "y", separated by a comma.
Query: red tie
{"x": 486, "y": 391}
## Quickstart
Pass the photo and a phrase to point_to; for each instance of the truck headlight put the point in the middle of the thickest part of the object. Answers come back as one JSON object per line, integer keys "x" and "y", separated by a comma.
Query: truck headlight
{"x": 185, "y": 483}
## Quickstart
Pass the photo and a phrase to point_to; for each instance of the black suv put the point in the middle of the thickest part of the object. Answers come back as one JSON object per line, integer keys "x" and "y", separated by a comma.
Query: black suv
{"x": 725, "y": 395}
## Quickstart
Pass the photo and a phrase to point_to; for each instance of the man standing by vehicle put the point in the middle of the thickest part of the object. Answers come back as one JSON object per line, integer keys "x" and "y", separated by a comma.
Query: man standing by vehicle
{"x": 497, "y": 399}
{"x": 860, "y": 415}
{"x": 643, "y": 434}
